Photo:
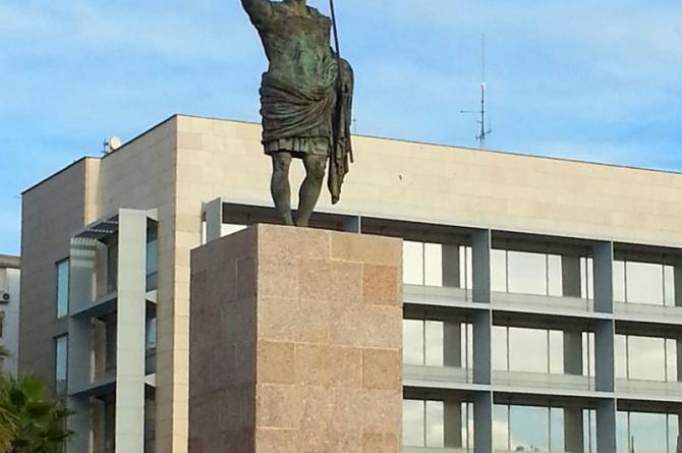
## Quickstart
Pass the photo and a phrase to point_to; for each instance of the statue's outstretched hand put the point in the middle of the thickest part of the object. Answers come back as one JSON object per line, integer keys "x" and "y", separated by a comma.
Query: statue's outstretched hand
{"x": 259, "y": 10}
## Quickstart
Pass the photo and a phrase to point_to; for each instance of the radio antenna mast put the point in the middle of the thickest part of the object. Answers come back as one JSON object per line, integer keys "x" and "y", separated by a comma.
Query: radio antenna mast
{"x": 484, "y": 131}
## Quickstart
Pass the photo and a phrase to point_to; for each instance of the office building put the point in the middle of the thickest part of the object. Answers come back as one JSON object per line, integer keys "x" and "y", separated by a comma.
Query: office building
{"x": 542, "y": 297}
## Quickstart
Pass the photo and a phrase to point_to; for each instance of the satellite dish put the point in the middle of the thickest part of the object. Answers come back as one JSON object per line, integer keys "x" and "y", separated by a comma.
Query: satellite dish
{"x": 114, "y": 143}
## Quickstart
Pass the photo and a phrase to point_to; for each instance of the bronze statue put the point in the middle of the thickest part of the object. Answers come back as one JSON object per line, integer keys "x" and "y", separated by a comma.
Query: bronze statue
{"x": 306, "y": 101}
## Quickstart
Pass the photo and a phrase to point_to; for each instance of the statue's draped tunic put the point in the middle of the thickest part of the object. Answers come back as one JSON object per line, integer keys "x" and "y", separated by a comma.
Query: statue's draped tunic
{"x": 305, "y": 107}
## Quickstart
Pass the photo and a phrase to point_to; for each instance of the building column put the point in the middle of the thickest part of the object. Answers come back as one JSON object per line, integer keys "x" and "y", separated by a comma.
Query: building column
{"x": 570, "y": 275}
{"x": 483, "y": 422}
{"x": 605, "y": 332}
{"x": 573, "y": 365}
{"x": 451, "y": 266}
{"x": 213, "y": 212}
{"x": 452, "y": 357}
{"x": 453, "y": 423}
{"x": 83, "y": 261}
{"x": 131, "y": 324}
{"x": 483, "y": 324}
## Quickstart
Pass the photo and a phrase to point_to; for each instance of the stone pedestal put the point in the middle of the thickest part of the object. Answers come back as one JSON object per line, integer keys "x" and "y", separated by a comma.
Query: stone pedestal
{"x": 295, "y": 343}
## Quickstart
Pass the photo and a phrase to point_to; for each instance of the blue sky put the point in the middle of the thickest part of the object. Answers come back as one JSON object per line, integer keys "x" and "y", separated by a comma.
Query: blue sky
{"x": 581, "y": 79}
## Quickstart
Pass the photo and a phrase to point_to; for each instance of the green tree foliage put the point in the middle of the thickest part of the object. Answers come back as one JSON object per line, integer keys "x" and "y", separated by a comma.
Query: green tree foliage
{"x": 30, "y": 420}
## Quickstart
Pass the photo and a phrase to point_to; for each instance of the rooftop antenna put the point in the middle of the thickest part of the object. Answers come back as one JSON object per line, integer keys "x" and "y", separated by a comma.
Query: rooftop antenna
{"x": 111, "y": 144}
{"x": 484, "y": 131}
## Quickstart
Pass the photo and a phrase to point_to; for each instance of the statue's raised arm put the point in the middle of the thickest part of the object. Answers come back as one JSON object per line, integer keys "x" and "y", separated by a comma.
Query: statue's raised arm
{"x": 258, "y": 10}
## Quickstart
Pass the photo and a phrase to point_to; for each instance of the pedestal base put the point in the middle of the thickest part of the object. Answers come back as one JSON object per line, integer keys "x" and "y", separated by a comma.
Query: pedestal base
{"x": 295, "y": 343}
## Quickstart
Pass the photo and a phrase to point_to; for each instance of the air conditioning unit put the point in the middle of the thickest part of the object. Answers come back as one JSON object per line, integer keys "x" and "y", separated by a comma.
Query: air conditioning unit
{"x": 4, "y": 298}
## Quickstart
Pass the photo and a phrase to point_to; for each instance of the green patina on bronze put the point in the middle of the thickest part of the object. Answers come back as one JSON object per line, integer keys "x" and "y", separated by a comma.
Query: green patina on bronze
{"x": 306, "y": 99}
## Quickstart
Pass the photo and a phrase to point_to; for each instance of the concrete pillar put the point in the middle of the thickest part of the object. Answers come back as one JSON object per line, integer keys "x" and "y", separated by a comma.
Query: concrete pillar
{"x": 483, "y": 327}
{"x": 570, "y": 275}
{"x": 606, "y": 426}
{"x": 83, "y": 255}
{"x": 213, "y": 211}
{"x": 481, "y": 244}
{"x": 483, "y": 422}
{"x": 604, "y": 352}
{"x": 451, "y": 266}
{"x": 130, "y": 346}
{"x": 453, "y": 424}
{"x": 603, "y": 277}
{"x": 573, "y": 364}
{"x": 678, "y": 286}
{"x": 452, "y": 344}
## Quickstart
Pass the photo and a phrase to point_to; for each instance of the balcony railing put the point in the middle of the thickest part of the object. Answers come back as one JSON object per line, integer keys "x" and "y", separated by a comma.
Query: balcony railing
{"x": 664, "y": 313}
{"x": 437, "y": 375}
{"x": 534, "y": 302}
{"x": 540, "y": 381}
{"x": 650, "y": 389}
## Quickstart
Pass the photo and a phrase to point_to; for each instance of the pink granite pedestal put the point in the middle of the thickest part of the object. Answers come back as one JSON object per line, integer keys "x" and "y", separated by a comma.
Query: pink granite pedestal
{"x": 295, "y": 343}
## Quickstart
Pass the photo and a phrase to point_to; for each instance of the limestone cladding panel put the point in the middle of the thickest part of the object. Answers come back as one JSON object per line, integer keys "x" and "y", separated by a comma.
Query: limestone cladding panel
{"x": 51, "y": 213}
{"x": 418, "y": 181}
{"x": 142, "y": 175}
{"x": 307, "y": 325}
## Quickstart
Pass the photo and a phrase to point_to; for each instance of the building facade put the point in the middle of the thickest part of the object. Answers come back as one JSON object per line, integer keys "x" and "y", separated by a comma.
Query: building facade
{"x": 542, "y": 297}
{"x": 10, "y": 276}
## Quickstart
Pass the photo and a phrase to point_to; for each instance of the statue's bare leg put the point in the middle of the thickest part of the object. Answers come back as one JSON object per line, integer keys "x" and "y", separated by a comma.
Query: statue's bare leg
{"x": 311, "y": 187}
{"x": 279, "y": 186}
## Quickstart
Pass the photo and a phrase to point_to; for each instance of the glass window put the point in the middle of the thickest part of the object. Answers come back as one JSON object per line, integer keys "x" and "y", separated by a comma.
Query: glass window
{"x": 112, "y": 264}
{"x": 501, "y": 438}
{"x": 554, "y": 276}
{"x": 529, "y": 428}
{"x": 500, "y": 355}
{"x": 648, "y": 432}
{"x": 586, "y": 280}
{"x": 498, "y": 265}
{"x": 433, "y": 264}
{"x": 423, "y": 342}
{"x": 423, "y": 423}
{"x": 413, "y": 342}
{"x": 619, "y": 281}
{"x": 621, "y": 357}
{"x": 528, "y": 350}
{"x": 151, "y": 333}
{"x": 62, "y": 288}
{"x": 644, "y": 283}
{"x": 413, "y": 263}
{"x": 646, "y": 358}
{"x": 433, "y": 346}
{"x": 427, "y": 264}
{"x": 61, "y": 362}
{"x": 527, "y": 273}
{"x": 413, "y": 423}
{"x": 152, "y": 257}
{"x": 556, "y": 352}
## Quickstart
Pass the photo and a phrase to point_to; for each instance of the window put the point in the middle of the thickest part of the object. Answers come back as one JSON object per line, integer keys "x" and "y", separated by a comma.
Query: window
{"x": 528, "y": 428}
{"x": 528, "y": 350}
{"x": 644, "y": 283}
{"x": 646, "y": 358}
{"x": 431, "y": 264}
{"x": 438, "y": 424}
{"x": 152, "y": 257}
{"x": 61, "y": 363}
{"x": 647, "y": 432}
{"x": 526, "y": 273}
{"x": 437, "y": 343}
{"x": 62, "y": 288}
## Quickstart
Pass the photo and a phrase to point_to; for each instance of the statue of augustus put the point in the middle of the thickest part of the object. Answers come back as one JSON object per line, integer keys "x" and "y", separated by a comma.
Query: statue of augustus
{"x": 306, "y": 101}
